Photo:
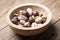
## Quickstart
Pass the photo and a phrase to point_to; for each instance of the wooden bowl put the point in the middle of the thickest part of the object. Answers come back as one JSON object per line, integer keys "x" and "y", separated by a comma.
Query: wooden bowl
{"x": 30, "y": 31}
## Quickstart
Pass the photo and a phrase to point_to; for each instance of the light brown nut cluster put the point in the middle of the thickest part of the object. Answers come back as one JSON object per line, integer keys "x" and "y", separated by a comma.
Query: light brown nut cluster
{"x": 29, "y": 18}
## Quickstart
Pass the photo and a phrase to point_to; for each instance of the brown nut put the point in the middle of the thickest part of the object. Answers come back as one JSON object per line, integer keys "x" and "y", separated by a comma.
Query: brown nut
{"x": 31, "y": 19}
{"x": 22, "y": 17}
{"x": 15, "y": 20}
{"x": 27, "y": 24}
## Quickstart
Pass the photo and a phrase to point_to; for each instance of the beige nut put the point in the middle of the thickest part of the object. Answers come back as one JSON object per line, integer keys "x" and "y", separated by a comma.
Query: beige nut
{"x": 22, "y": 17}
{"x": 38, "y": 20}
{"x": 29, "y": 10}
{"x": 27, "y": 24}
{"x": 34, "y": 25}
{"x": 22, "y": 22}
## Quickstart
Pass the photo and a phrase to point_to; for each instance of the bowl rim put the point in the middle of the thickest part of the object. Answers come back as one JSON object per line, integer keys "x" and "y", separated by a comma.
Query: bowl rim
{"x": 34, "y": 4}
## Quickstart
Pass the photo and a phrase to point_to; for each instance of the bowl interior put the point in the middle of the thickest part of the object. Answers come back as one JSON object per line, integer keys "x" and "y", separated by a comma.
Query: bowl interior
{"x": 34, "y": 7}
{"x": 40, "y": 10}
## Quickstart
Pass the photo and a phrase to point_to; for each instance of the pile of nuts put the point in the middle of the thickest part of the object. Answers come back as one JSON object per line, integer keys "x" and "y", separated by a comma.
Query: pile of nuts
{"x": 28, "y": 18}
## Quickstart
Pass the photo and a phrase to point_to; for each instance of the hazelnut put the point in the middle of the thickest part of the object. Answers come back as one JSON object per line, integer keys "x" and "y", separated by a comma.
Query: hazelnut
{"x": 15, "y": 20}
{"x": 34, "y": 24}
{"x": 22, "y": 17}
{"x": 29, "y": 10}
{"x": 38, "y": 20}
{"x": 27, "y": 24}
{"x": 22, "y": 21}
{"x": 31, "y": 19}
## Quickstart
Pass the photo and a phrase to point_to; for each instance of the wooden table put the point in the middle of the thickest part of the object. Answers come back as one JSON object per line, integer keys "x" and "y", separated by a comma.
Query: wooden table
{"x": 52, "y": 33}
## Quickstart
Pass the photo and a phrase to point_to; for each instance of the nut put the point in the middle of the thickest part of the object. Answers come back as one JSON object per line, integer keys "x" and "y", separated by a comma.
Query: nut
{"x": 29, "y": 10}
{"x": 22, "y": 21}
{"x": 31, "y": 19}
{"x": 15, "y": 20}
{"x": 22, "y": 17}
{"x": 27, "y": 24}
{"x": 34, "y": 24}
{"x": 38, "y": 20}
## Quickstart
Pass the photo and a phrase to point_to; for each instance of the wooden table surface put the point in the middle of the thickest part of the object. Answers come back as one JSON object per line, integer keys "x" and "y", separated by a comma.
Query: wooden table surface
{"x": 52, "y": 33}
